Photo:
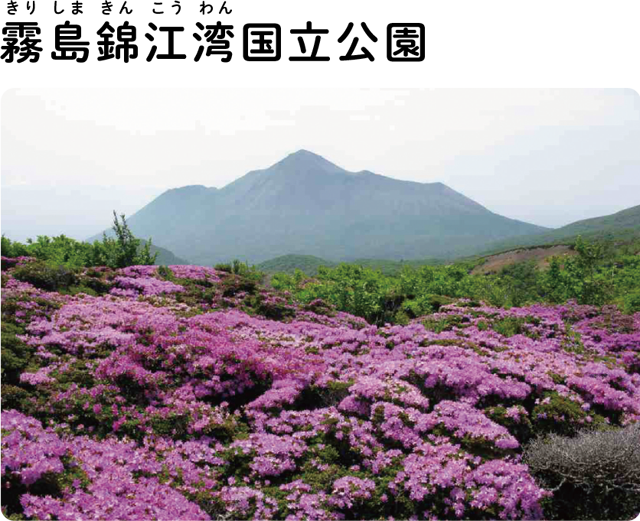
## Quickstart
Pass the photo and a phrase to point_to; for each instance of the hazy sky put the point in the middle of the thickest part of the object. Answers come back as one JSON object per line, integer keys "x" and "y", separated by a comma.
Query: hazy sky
{"x": 549, "y": 157}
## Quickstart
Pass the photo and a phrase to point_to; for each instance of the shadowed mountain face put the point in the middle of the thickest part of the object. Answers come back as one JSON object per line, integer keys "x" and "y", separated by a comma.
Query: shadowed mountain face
{"x": 307, "y": 205}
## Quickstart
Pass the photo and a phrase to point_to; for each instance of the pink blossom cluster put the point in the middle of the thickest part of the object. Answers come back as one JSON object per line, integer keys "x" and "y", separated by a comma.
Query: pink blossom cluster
{"x": 158, "y": 401}
{"x": 131, "y": 287}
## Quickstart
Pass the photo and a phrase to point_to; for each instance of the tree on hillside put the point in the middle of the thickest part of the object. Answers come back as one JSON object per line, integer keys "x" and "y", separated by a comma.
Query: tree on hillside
{"x": 124, "y": 249}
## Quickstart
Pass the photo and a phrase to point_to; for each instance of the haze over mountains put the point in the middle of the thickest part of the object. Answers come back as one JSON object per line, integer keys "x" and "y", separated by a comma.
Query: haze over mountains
{"x": 305, "y": 204}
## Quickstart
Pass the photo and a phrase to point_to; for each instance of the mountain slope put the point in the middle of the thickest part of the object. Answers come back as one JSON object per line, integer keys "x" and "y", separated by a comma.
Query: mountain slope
{"x": 310, "y": 264}
{"x": 290, "y": 263}
{"x": 628, "y": 219}
{"x": 305, "y": 204}
{"x": 166, "y": 258}
{"x": 621, "y": 225}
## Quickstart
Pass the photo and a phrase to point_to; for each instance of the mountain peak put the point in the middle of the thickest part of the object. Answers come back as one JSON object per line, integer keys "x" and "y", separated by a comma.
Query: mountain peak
{"x": 305, "y": 153}
{"x": 307, "y": 161}
{"x": 304, "y": 204}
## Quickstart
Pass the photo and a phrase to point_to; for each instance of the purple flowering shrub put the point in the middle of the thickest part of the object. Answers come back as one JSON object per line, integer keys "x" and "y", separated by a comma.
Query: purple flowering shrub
{"x": 190, "y": 393}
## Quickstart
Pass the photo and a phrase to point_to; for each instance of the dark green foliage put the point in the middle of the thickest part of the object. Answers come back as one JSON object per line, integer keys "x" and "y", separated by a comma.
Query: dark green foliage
{"x": 92, "y": 283}
{"x": 509, "y": 326}
{"x": 49, "y": 277}
{"x": 234, "y": 284}
{"x": 5, "y": 247}
{"x": 320, "y": 307}
{"x": 521, "y": 428}
{"x": 631, "y": 302}
{"x": 271, "y": 309}
{"x": 173, "y": 425}
{"x": 58, "y": 277}
{"x": 14, "y": 397}
{"x": 581, "y": 277}
{"x": 521, "y": 282}
{"x": 552, "y": 407}
{"x": 16, "y": 355}
{"x": 446, "y": 323}
{"x": 314, "y": 396}
{"x": 49, "y": 484}
{"x": 166, "y": 273}
{"x": 224, "y": 266}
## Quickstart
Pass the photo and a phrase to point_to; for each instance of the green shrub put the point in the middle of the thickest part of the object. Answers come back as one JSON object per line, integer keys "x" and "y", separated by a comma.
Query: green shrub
{"x": 509, "y": 326}
{"x": 6, "y": 245}
{"x": 166, "y": 273}
{"x": 234, "y": 284}
{"x": 272, "y": 309}
{"x": 558, "y": 414}
{"x": 13, "y": 249}
{"x": 46, "y": 276}
{"x": 78, "y": 290}
{"x": 16, "y": 355}
{"x": 582, "y": 277}
{"x": 435, "y": 302}
{"x": 14, "y": 397}
{"x": 631, "y": 302}
{"x": 226, "y": 267}
{"x": 125, "y": 250}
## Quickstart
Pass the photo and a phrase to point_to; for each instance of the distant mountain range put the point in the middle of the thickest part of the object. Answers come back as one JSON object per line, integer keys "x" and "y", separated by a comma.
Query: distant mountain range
{"x": 307, "y": 205}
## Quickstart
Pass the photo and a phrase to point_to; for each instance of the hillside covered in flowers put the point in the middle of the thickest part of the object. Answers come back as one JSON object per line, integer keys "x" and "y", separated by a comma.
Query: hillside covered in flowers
{"x": 189, "y": 393}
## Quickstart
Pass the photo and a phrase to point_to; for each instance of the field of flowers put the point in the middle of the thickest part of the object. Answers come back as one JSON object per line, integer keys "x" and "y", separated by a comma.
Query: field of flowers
{"x": 190, "y": 393}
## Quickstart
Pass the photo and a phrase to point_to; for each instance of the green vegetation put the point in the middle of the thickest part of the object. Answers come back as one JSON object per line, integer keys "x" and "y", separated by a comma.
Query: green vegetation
{"x": 310, "y": 264}
{"x": 598, "y": 274}
{"x": 379, "y": 291}
{"x": 241, "y": 270}
{"x": 115, "y": 252}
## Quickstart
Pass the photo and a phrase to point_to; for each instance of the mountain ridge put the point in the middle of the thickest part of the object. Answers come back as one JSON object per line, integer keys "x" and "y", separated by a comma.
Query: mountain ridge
{"x": 305, "y": 204}
{"x": 621, "y": 225}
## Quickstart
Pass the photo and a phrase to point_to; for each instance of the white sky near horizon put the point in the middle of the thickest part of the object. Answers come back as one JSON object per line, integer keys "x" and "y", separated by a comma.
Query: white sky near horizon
{"x": 549, "y": 157}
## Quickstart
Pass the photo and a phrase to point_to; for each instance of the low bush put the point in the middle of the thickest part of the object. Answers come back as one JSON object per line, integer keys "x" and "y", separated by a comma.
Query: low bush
{"x": 46, "y": 276}
{"x": 631, "y": 302}
{"x": 15, "y": 354}
{"x": 595, "y": 475}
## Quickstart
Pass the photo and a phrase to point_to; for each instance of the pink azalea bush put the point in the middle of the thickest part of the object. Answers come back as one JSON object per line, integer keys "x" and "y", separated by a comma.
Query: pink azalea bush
{"x": 183, "y": 394}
